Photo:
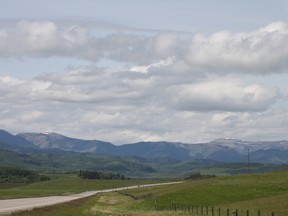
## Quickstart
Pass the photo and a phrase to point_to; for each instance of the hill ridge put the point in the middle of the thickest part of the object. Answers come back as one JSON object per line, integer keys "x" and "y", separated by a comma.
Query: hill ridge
{"x": 224, "y": 150}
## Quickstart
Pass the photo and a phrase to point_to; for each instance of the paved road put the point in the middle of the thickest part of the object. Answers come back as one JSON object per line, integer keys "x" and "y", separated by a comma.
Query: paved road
{"x": 13, "y": 205}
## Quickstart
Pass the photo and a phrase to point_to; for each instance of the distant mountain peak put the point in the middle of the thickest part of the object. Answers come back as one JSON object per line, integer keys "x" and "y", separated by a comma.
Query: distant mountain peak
{"x": 52, "y": 135}
{"x": 225, "y": 140}
{"x": 46, "y": 133}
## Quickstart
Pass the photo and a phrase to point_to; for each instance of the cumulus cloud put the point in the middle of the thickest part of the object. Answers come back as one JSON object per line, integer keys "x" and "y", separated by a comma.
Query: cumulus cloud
{"x": 223, "y": 95}
{"x": 263, "y": 50}
{"x": 165, "y": 44}
{"x": 126, "y": 88}
{"x": 43, "y": 39}
{"x": 46, "y": 39}
{"x": 89, "y": 104}
{"x": 36, "y": 35}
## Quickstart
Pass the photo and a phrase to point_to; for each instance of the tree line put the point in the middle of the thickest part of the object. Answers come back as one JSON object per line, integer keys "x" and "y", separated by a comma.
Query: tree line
{"x": 18, "y": 175}
{"x": 84, "y": 174}
{"x": 197, "y": 176}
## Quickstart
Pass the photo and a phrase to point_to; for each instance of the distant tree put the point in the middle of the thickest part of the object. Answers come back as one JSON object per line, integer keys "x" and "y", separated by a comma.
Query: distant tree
{"x": 84, "y": 174}
{"x": 196, "y": 176}
{"x": 17, "y": 175}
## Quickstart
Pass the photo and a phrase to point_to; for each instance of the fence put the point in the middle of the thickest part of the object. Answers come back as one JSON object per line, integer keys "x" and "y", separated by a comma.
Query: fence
{"x": 205, "y": 210}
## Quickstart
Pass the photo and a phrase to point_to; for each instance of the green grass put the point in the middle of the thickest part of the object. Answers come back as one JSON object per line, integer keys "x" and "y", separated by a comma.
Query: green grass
{"x": 64, "y": 187}
{"x": 277, "y": 203}
{"x": 12, "y": 185}
{"x": 218, "y": 191}
{"x": 259, "y": 191}
{"x": 111, "y": 204}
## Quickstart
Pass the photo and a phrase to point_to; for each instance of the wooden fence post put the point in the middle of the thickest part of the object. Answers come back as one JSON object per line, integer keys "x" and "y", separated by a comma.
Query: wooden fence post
{"x": 190, "y": 208}
{"x": 235, "y": 213}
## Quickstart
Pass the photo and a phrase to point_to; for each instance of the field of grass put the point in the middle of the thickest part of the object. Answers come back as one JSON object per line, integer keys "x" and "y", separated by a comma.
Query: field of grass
{"x": 63, "y": 187}
{"x": 225, "y": 189}
{"x": 111, "y": 204}
{"x": 266, "y": 192}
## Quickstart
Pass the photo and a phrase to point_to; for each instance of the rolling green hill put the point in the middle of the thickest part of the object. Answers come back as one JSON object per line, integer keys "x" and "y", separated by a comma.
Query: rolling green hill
{"x": 134, "y": 167}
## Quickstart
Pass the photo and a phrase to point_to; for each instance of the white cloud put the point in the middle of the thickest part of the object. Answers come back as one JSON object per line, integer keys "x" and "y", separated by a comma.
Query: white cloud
{"x": 44, "y": 39}
{"x": 31, "y": 116}
{"x": 223, "y": 95}
{"x": 165, "y": 44}
{"x": 76, "y": 35}
{"x": 37, "y": 36}
{"x": 162, "y": 63}
{"x": 262, "y": 51}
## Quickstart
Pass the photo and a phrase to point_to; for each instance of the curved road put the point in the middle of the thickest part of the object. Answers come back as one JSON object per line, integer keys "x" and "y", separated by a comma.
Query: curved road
{"x": 13, "y": 205}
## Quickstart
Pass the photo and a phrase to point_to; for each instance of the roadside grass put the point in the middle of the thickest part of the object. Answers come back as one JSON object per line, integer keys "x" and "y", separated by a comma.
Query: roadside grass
{"x": 65, "y": 187}
{"x": 108, "y": 204}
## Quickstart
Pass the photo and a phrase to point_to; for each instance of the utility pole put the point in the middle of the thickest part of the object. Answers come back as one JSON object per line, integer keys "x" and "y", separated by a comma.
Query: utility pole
{"x": 248, "y": 164}
{"x": 198, "y": 165}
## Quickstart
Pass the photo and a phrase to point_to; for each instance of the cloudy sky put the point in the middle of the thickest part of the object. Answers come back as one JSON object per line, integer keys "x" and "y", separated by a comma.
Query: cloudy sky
{"x": 130, "y": 70}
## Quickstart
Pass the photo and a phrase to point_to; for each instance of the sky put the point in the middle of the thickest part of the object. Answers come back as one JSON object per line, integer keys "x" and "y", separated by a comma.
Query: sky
{"x": 127, "y": 71}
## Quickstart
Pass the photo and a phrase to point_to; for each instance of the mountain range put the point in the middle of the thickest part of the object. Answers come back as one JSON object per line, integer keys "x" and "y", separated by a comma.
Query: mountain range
{"x": 221, "y": 150}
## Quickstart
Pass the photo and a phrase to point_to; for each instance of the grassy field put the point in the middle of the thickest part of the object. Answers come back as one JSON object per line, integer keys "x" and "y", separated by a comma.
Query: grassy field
{"x": 266, "y": 192}
{"x": 63, "y": 187}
